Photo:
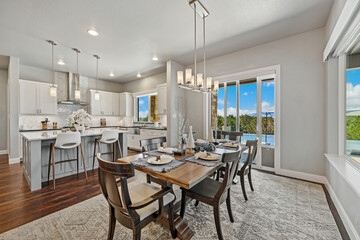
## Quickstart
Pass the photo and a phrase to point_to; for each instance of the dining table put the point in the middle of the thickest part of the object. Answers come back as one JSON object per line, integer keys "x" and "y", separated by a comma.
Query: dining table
{"x": 186, "y": 176}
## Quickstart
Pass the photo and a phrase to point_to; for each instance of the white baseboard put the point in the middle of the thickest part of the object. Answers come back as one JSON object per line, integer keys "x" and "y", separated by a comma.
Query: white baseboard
{"x": 301, "y": 175}
{"x": 14, "y": 160}
{"x": 350, "y": 228}
{"x": 3, "y": 152}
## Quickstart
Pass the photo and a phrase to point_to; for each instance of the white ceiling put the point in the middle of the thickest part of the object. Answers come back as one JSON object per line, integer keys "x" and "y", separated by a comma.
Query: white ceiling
{"x": 131, "y": 32}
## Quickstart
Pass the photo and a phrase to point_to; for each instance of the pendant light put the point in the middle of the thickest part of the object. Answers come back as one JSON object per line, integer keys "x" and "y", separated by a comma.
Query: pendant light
{"x": 77, "y": 80}
{"x": 53, "y": 89}
{"x": 97, "y": 94}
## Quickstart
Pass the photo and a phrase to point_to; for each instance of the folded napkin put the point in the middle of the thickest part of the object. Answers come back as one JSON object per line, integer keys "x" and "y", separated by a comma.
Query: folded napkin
{"x": 166, "y": 150}
{"x": 200, "y": 154}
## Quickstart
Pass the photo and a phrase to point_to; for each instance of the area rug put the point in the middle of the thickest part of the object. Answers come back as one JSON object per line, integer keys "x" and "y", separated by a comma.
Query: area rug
{"x": 279, "y": 208}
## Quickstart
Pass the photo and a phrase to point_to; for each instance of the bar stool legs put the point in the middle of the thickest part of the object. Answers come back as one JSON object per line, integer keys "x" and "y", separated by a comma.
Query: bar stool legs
{"x": 53, "y": 163}
{"x": 97, "y": 141}
{"x": 82, "y": 153}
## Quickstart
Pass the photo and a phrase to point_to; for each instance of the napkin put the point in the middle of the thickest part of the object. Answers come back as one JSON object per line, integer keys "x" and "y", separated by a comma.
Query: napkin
{"x": 166, "y": 150}
{"x": 200, "y": 154}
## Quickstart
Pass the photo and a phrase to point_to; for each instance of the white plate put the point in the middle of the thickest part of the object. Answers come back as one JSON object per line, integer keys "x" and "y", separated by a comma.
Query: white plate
{"x": 164, "y": 159}
{"x": 211, "y": 157}
{"x": 223, "y": 140}
{"x": 166, "y": 150}
{"x": 230, "y": 145}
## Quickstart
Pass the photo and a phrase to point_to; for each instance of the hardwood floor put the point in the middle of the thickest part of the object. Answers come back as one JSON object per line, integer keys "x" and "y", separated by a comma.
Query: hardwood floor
{"x": 18, "y": 205}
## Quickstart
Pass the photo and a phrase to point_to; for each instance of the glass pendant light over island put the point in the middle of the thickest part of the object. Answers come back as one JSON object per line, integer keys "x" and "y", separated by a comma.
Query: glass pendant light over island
{"x": 53, "y": 89}
{"x": 196, "y": 82}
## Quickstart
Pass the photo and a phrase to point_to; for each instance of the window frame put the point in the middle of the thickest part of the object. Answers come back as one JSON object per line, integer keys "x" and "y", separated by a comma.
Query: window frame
{"x": 136, "y": 106}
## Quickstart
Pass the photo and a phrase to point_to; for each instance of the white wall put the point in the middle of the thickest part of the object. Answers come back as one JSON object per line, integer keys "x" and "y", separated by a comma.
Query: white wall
{"x": 336, "y": 9}
{"x": 302, "y": 94}
{"x": 144, "y": 83}
{"x": 3, "y": 109}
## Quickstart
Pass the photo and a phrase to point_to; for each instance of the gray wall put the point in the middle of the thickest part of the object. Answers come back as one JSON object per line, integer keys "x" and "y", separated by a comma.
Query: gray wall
{"x": 302, "y": 94}
{"x": 3, "y": 109}
{"x": 144, "y": 83}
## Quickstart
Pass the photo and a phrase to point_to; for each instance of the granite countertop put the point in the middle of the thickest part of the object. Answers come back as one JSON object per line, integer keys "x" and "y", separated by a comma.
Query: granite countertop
{"x": 58, "y": 129}
{"x": 37, "y": 135}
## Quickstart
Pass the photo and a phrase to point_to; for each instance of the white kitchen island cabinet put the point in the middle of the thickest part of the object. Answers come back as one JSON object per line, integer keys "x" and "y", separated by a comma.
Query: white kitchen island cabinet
{"x": 36, "y": 149}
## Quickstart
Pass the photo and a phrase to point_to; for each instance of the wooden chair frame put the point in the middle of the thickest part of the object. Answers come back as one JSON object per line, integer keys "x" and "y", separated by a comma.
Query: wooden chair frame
{"x": 232, "y": 135}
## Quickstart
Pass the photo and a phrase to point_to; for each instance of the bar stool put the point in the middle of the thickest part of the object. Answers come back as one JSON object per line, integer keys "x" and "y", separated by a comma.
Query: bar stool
{"x": 66, "y": 141}
{"x": 108, "y": 137}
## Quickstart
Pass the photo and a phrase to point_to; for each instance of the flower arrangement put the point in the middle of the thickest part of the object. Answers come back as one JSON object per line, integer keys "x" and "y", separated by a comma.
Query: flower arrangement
{"x": 79, "y": 119}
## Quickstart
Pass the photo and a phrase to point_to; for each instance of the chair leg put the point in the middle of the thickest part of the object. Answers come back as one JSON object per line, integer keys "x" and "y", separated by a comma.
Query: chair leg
{"x": 82, "y": 153}
{"x": 49, "y": 165}
{"x": 196, "y": 203}
{"x": 120, "y": 151}
{"x": 112, "y": 223}
{"x": 113, "y": 152}
{"x": 250, "y": 180}
{"x": 217, "y": 222}
{"x": 53, "y": 164}
{"x": 148, "y": 180}
{"x": 183, "y": 202}
{"x": 228, "y": 205}
{"x": 218, "y": 175}
{"x": 137, "y": 234}
{"x": 242, "y": 180}
{"x": 171, "y": 220}
{"x": 94, "y": 154}
{"x": 77, "y": 160}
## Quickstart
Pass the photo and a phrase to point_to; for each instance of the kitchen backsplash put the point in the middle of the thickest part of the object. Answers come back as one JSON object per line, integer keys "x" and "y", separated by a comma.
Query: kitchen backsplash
{"x": 28, "y": 122}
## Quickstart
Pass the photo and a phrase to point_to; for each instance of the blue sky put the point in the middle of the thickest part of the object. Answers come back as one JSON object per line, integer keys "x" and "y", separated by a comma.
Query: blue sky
{"x": 353, "y": 89}
{"x": 247, "y": 98}
{"x": 143, "y": 106}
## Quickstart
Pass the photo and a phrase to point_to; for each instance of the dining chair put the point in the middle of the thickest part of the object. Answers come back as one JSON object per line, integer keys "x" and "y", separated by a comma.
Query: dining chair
{"x": 245, "y": 168}
{"x": 234, "y": 136}
{"x": 133, "y": 207}
{"x": 66, "y": 141}
{"x": 217, "y": 134}
{"x": 152, "y": 143}
{"x": 108, "y": 137}
{"x": 149, "y": 145}
{"x": 214, "y": 193}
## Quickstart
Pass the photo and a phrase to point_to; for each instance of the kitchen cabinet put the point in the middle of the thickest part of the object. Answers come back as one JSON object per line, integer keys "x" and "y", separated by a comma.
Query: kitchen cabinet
{"x": 108, "y": 105}
{"x": 35, "y": 98}
{"x": 162, "y": 99}
{"x": 126, "y": 104}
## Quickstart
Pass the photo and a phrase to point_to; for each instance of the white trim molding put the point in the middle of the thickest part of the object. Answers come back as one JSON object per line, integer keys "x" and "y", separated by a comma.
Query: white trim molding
{"x": 3, "y": 152}
{"x": 14, "y": 160}
{"x": 301, "y": 175}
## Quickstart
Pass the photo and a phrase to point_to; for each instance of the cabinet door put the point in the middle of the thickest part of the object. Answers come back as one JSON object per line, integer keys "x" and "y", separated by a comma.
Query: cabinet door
{"x": 122, "y": 105}
{"x": 28, "y": 98}
{"x": 106, "y": 104}
{"x": 47, "y": 104}
{"x": 94, "y": 105}
{"x": 115, "y": 104}
{"x": 162, "y": 92}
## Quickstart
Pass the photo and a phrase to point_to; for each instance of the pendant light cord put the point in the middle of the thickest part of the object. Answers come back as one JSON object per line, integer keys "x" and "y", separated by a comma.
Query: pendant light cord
{"x": 195, "y": 56}
{"x": 52, "y": 63}
{"x": 205, "y": 81}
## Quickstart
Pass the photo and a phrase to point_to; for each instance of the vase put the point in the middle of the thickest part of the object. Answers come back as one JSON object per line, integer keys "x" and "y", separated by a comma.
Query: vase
{"x": 79, "y": 128}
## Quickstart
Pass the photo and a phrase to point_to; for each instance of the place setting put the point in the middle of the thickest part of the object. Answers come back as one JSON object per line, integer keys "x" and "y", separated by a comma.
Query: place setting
{"x": 159, "y": 163}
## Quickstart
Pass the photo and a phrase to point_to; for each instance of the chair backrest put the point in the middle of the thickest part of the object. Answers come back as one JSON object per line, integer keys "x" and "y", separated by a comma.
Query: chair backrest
{"x": 109, "y": 136}
{"x": 235, "y": 136}
{"x": 217, "y": 134}
{"x": 252, "y": 150}
{"x": 231, "y": 160}
{"x": 107, "y": 173}
{"x": 67, "y": 140}
{"x": 152, "y": 143}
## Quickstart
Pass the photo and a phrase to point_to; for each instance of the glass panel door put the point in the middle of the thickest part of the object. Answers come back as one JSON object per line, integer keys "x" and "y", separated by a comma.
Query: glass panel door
{"x": 231, "y": 106}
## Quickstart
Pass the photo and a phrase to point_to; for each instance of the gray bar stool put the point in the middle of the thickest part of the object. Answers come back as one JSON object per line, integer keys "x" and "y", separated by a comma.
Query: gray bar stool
{"x": 66, "y": 141}
{"x": 108, "y": 137}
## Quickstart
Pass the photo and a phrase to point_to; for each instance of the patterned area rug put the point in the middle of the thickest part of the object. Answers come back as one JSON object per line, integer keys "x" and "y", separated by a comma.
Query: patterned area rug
{"x": 280, "y": 208}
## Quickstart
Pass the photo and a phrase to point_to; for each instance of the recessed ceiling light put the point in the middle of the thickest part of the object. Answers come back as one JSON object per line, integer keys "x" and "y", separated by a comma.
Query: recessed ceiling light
{"x": 111, "y": 74}
{"x": 61, "y": 62}
{"x": 138, "y": 75}
{"x": 155, "y": 58}
{"x": 92, "y": 32}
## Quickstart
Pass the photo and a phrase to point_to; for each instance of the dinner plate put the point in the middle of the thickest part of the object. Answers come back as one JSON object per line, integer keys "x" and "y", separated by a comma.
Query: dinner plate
{"x": 223, "y": 140}
{"x": 210, "y": 157}
{"x": 164, "y": 159}
{"x": 230, "y": 145}
{"x": 166, "y": 150}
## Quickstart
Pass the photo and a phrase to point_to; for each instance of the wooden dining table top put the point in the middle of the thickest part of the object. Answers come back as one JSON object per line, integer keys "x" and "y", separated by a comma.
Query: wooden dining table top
{"x": 186, "y": 175}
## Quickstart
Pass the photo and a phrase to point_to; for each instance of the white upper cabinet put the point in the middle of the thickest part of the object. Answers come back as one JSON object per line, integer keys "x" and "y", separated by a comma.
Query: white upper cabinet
{"x": 108, "y": 105}
{"x": 35, "y": 98}
{"x": 162, "y": 99}
{"x": 126, "y": 104}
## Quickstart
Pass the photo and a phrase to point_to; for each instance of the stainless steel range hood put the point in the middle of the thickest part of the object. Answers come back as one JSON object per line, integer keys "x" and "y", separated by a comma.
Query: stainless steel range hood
{"x": 73, "y": 83}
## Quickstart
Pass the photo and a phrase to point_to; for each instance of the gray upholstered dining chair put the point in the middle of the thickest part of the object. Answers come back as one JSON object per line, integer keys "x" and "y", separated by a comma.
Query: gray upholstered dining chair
{"x": 133, "y": 207}
{"x": 214, "y": 193}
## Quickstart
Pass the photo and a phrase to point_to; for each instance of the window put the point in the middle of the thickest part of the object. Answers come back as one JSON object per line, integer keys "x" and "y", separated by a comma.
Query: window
{"x": 267, "y": 111}
{"x": 247, "y": 109}
{"x": 231, "y": 106}
{"x": 353, "y": 106}
{"x": 220, "y": 108}
{"x": 147, "y": 108}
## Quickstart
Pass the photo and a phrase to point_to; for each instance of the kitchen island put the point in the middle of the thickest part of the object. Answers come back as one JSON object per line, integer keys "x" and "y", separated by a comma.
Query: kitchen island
{"x": 36, "y": 149}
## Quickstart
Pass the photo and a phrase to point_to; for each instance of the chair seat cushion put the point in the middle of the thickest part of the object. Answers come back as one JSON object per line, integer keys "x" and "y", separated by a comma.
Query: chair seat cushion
{"x": 144, "y": 190}
{"x": 206, "y": 188}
